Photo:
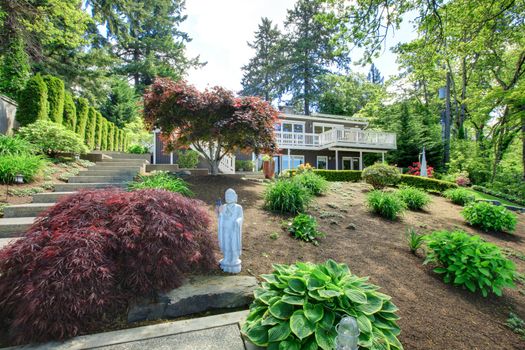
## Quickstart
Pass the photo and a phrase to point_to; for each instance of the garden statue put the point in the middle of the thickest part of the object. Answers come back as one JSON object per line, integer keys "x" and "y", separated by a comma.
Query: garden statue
{"x": 230, "y": 232}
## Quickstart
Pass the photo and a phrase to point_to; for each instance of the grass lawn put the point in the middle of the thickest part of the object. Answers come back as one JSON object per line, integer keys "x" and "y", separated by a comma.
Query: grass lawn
{"x": 481, "y": 195}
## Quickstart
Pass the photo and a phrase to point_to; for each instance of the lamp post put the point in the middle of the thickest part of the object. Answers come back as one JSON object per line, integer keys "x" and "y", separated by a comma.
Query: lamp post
{"x": 347, "y": 334}
{"x": 19, "y": 179}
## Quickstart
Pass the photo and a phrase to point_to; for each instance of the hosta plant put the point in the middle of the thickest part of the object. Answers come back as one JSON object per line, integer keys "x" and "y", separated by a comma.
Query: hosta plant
{"x": 304, "y": 227}
{"x": 490, "y": 217}
{"x": 466, "y": 260}
{"x": 415, "y": 199}
{"x": 298, "y": 307}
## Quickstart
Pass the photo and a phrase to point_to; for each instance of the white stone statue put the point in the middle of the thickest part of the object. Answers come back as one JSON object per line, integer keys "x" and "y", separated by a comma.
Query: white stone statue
{"x": 230, "y": 233}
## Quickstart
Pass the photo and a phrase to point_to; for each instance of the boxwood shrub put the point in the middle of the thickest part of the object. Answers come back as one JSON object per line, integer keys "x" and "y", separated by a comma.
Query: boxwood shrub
{"x": 286, "y": 196}
{"x": 340, "y": 175}
{"x": 468, "y": 261}
{"x": 490, "y": 217}
{"x": 299, "y": 306}
{"x": 427, "y": 184}
{"x": 381, "y": 175}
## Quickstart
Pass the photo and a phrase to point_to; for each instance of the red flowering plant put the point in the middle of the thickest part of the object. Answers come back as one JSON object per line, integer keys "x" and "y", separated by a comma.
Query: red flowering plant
{"x": 415, "y": 169}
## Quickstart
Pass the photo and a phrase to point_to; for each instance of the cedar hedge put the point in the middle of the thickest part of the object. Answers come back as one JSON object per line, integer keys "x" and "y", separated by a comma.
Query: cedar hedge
{"x": 339, "y": 175}
{"x": 55, "y": 97}
{"x": 91, "y": 126}
{"x": 98, "y": 131}
{"x": 34, "y": 104}
{"x": 82, "y": 116}
{"x": 427, "y": 184}
{"x": 69, "y": 119}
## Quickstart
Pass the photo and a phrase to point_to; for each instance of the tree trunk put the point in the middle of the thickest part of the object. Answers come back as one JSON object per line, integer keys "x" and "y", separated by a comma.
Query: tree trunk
{"x": 448, "y": 117}
{"x": 523, "y": 140}
{"x": 463, "y": 108}
{"x": 214, "y": 167}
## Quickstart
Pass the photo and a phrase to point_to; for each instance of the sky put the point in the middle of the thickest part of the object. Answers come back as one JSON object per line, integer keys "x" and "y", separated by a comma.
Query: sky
{"x": 220, "y": 30}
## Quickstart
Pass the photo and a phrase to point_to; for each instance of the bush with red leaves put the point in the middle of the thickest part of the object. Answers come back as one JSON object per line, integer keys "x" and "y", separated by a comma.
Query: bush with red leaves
{"x": 90, "y": 255}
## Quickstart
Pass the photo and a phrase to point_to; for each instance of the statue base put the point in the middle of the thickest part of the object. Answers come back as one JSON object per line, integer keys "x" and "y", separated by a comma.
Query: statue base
{"x": 230, "y": 268}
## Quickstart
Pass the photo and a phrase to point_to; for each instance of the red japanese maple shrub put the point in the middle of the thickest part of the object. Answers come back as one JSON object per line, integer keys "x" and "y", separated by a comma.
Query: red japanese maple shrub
{"x": 415, "y": 169}
{"x": 91, "y": 254}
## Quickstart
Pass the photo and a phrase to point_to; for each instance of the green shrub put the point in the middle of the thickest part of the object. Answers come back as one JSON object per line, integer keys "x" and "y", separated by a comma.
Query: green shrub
{"x": 55, "y": 97}
{"x": 414, "y": 240}
{"x": 82, "y": 116}
{"x": 27, "y": 165}
{"x": 121, "y": 141}
{"x": 15, "y": 146}
{"x": 315, "y": 184}
{"x": 298, "y": 307}
{"x": 91, "y": 125}
{"x": 495, "y": 193}
{"x": 381, "y": 175}
{"x": 111, "y": 137}
{"x": 51, "y": 138}
{"x": 138, "y": 149}
{"x": 340, "y": 175}
{"x": 115, "y": 138}
{"x": 415, "y": 199}
{"x": 245, "y": 165}
{"x": 427, "y": 184}
{"x": 304, "y": 227}
{"x": 105, "y": 130}
{"x": 69, "y": 119}
{"x": 385, "y": 204}
{"x": 161, "y": 180}
{"x": 286, "y": 196}
{"x": 490, "y": 217}
{"x": 459, "y": 196}
{"x": 469, "y": 261}
{"x": 33, "y": 104}
{"x": 187, "y": 159}
{"x": 98, "y": 131}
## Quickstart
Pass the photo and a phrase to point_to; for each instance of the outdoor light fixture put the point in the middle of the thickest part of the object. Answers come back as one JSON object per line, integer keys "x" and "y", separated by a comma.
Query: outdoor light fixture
{"x": 347, "y": 334}
{"x": 77, "y": 156}
{"x": 19, "y": 178}
{"x": 442, "y": 93}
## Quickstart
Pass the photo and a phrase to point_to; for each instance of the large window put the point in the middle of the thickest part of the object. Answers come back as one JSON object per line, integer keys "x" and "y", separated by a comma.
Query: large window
{"x": 294, "y": 161}
{"x": 322, "y": 162}
{"x": 320, "y": 128}
{"x": 350, "y": 163}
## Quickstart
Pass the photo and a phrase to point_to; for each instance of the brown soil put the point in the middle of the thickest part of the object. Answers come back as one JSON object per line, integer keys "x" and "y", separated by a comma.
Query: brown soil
{"x": 434, "y": 315}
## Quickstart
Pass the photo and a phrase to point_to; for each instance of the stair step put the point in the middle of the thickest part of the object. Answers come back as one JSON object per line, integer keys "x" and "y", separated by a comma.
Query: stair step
{"x": 15, "y": 227}
{"x": 71, "y": 187}
{"x": 100, "y": 179}
{"x": 6, "y": 241}
{"x": 136, "y": 168}
{"x": 120, "y": 163}
{"x": 25, "y": 210}
{"x": 50, "y": 197}
{"x": 108, "y": 172}
{"x": 146, "y": 156}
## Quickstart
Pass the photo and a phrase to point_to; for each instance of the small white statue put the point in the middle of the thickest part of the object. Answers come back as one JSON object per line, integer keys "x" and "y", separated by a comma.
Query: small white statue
{"x": 230, "y": 233}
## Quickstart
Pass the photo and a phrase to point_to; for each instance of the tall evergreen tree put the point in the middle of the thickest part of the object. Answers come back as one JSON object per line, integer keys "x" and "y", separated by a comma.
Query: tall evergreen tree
{"x": 14, "y": 69}
{"x": 121, "y": 105}
{"x": 374, "y": 75}
{"x": 261, "y": 74}
{"x": 313, "y": 48}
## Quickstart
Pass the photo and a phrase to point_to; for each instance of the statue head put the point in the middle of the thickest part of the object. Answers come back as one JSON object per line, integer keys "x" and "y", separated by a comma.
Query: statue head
{"x": 230, "y": 196}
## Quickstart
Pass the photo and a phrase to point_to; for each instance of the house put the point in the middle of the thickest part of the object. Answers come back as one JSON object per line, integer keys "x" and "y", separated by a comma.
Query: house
{"x": 322, "y": 140}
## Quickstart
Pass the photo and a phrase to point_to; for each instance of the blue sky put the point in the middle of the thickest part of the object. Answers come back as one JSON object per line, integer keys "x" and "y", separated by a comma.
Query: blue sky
{"x": 220, "y": 30}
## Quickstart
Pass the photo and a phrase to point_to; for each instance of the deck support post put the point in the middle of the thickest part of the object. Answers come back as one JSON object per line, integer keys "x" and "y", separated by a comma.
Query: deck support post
{"x": 171, "y": 158}
{"x": 289, "y": 160}
{"x": 360, "y": 160}
{"x": 154, "y": 147}
{"x": 383, "y": 156}
{"x": 336, "y": 160}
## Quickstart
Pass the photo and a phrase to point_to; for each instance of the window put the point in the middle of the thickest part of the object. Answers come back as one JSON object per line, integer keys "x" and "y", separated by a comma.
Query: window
{"x": 320, "y": 128}
{"x": 350, "y": 163}
{"x": 322, "y": 162}
{"x": 294, "y": 161}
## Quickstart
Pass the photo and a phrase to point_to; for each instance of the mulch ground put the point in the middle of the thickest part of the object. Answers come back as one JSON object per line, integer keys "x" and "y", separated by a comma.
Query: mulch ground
{"x": 434, "y": 315}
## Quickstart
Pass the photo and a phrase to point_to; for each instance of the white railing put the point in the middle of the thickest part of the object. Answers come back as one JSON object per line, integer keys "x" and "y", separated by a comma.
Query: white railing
{"x": 227, "y": 164}
{"x": 338, "y": 137}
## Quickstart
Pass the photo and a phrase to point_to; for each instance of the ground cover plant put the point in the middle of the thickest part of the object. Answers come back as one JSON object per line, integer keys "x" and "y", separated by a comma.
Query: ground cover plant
{"x": 27, "y": 165}
{"x": 381, "y": 175}
{"x": 385, "y": 204}
{"x": 415, "y": 199}
{"x": 161, "y": 180}
{"x": 304, "y": 227}
{"x": 459, "y": 196}
{"x": 286, "y": 196}
{"x": 299, "y": 305}
{"x": 490, "y": 217}
{"x": 15, "y": 146}
{"x": 314, "y": 183}
{"x": 468, "y": 261}
{"x": 91, "y": 254}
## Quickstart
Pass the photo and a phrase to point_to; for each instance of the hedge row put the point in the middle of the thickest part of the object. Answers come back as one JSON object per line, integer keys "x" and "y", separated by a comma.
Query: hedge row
{"x": 498, "y": 194}
{"x": 44, "y": 97}
{"x": 426, "y": 183}
{"x": 340, "y": 175}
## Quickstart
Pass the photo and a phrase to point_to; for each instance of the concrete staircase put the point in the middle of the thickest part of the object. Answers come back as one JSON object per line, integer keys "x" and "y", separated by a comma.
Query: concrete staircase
{"x": 115, "y": 170}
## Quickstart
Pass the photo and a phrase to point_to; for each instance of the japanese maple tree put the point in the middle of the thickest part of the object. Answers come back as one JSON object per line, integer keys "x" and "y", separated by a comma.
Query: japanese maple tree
{"x": 215, "y": 122}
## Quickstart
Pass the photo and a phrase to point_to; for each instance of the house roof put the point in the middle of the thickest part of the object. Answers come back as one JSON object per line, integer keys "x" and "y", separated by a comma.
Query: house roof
{"x": 327, "y": 118}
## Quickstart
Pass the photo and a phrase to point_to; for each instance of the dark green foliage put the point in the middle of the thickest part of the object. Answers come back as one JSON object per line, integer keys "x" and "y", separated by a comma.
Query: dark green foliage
{"x": 122, "y": 105}
{"x": 15, "y": 146}
{"x": 161, "y": 180}
{"x": 490, "y": 217}
{"x": 414, "y": 240}
{"x": 298, "y": 307}
{"x": 314, "y": 183}
{"x": 69, "y": 119}
{"x": 55, "y": 98}
{"x": 91, "y": 125}
{"x": 105, "y": 131}
{"x": 381, "y": 175}
{"x": 415, "y": 199}
{"x": 459, "y": 196}
{"x": 385, "y": 204}
{"x": 82, "y": 116}
{"x": 99, "y": 131}
{"x": 286, "y": 196}
{"x": 340, "y": 175}
{"x": 111, "y": 136}
{"x": 304, "y": 227}
{"x": 14, "y": 69}
{"x": 138, "y": 149}
{"x": 187, "y": 159}
{"x": 116, "y": 138}
{"x": 52, "y": 138}
{"x": 245, "y": 165}
{"x": 33, "y": 104}
{"x": 25, "y": 164}
{"x": 510, "y": 198}
{"x": 427, "y": 184}
{"x": 469, "y": 261}
{"x": 121, "y": 140}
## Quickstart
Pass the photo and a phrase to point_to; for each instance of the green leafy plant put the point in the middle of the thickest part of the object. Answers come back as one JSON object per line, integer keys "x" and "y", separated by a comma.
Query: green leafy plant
{"x": 490, "y": 217}
{"x": 415, "y": 199}
{"x": 15, "y": 146}
{"x": 414, "y": 240}
{"x": 459, "y": 196}
{"x": 314, "y": 183}
{"x": 286, "y": 196}
{"x": 51, "y": 138}
{"x": 304, "y": 227}
{"x": 298, "y": 307}
{"x": 466, "y": 260}
{"x": 187, "y": 159}
{"x": 161, "y": 180}
{"x": 516, "y": 324}
{"x": 385, "y": 204}
{"x": 340, "y": 175}
{"x": 245, "y": 165}
{"x": 29, "y": 166}
{"x": 138, "y": 149}
{"x": 33, "y": 104}
{"x": 427, "y": 184}
{"x": 381, "y": 175}
{"x": 55, "y": 97}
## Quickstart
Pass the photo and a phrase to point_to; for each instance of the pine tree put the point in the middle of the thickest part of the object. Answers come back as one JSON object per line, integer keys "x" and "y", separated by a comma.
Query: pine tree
{"x": 261, "y": 76}
{"x": 121, "y": 105}
{"x": 69, "y": 119}
{"x": 408, "y": 142}
{"x": 82, "y": 116}
{"x": 312, "y": 49}
{"x": 55, "y": 97}
{"x": 374, "y": 75}
{"x": 33, "y": 104}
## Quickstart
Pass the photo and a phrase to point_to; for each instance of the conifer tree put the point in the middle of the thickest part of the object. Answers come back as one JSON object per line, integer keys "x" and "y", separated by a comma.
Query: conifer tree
{"x": 33, "y": 104}
{"x": 69, "y": 118}
{"x": 82, "y": 116}
{"x": 55, "y": 98}
{"x": 91, "y": 125}
{"x": 374, "y": 75}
